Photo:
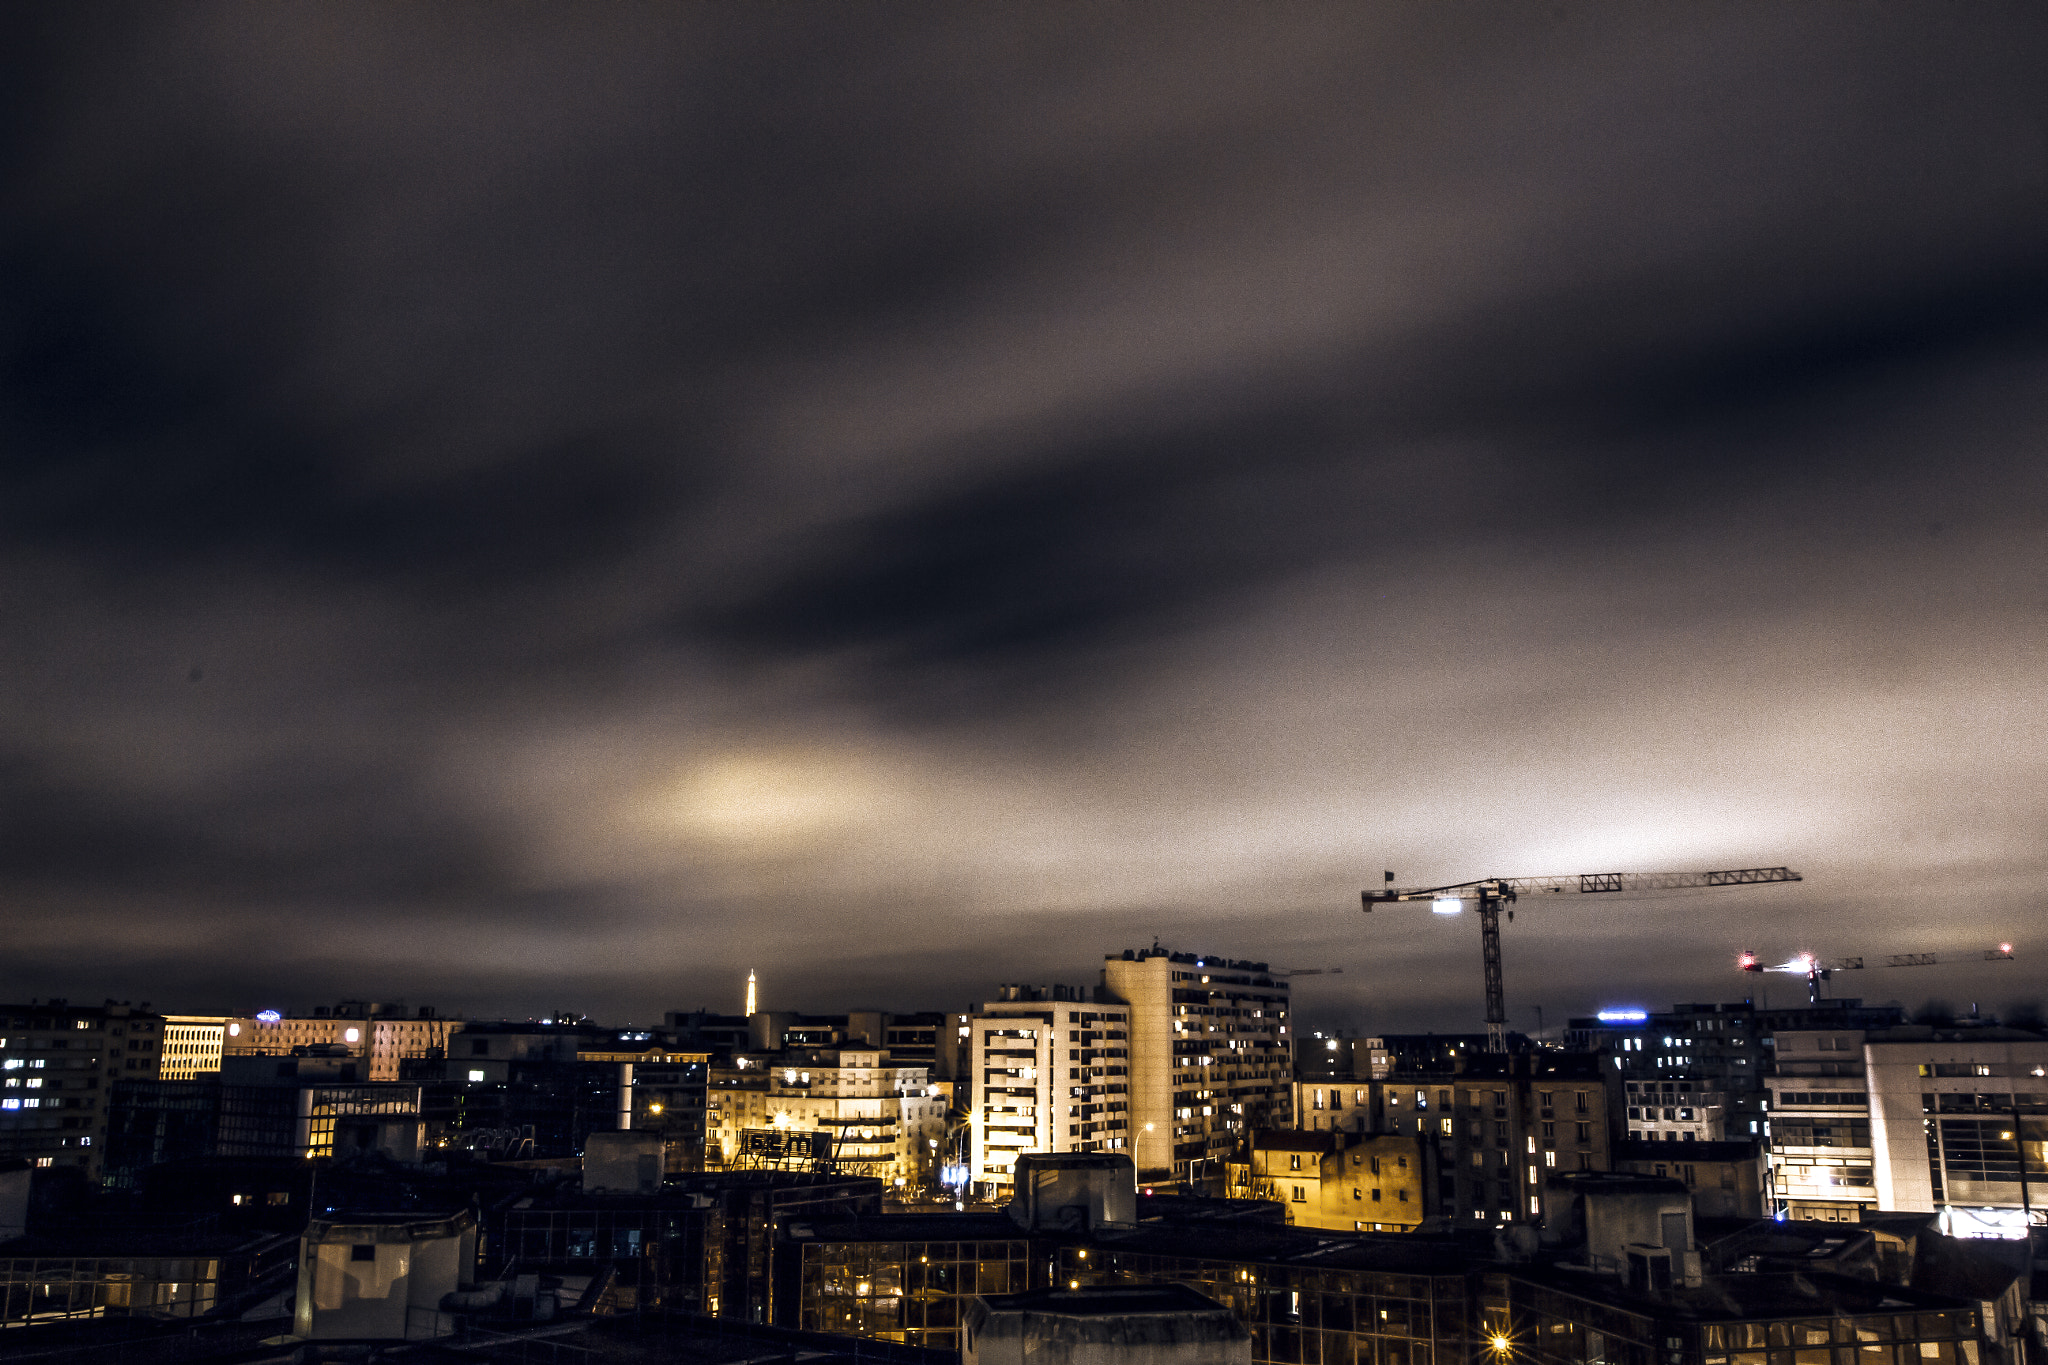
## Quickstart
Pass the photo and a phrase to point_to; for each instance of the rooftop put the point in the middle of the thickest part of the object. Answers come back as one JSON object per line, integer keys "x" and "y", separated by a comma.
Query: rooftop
{"x": 1745, "y": 1298}
{"x": 1106, "y": 1314}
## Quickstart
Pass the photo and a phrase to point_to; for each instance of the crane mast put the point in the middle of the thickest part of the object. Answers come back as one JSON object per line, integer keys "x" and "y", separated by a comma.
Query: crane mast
{"x": 1491, "y": 894}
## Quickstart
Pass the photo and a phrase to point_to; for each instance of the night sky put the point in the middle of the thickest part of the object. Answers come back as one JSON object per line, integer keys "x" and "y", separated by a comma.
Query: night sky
{"x": 525, "y": 508}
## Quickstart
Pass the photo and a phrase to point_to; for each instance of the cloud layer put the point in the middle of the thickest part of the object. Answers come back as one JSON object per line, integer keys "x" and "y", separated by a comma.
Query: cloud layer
{"x": 559, "y": 510}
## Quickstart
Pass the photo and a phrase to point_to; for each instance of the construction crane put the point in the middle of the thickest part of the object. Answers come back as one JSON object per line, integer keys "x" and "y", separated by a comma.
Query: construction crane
{"x": 1816, "y": 971}
{"x": 1492, "y": 893}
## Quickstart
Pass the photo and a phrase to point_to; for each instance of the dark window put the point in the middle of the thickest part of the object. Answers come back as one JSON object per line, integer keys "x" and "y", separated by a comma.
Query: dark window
{"x": 363, "y": 1251}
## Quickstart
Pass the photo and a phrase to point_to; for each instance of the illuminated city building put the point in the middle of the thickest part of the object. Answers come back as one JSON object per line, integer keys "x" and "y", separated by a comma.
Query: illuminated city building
{"x": 1696, "y": 1072}
{"x": 1493, "y": 1126}
{"x": 313, "y": 1104}
{"x": 1818, "y": 1129}
{"x": 1211, "y": 1058}
{"x": 58, "y": 1062}
{"x": 1050, "y": 1072}
{"x": 1336, "y": 1181}
{"x": 1328, "y": 1104}
{"x": 192, "y": 1045}
{"x": 382, "y": 1035}
{"x": 857, "y": 1107}
{"x": 1958, "y": 1124}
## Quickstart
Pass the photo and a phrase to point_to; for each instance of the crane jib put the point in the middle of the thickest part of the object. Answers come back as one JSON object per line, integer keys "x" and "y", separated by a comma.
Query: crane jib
{"x": 1495, "y": 894}
{"x": 1512, "y": 888}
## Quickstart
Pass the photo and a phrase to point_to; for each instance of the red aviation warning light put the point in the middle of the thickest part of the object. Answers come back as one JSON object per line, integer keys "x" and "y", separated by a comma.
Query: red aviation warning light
{"x": 1816, "y": 970}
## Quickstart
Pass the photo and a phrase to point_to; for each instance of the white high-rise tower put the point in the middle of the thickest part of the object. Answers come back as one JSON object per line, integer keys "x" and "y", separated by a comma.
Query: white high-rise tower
{"x": 753, "y": 1004}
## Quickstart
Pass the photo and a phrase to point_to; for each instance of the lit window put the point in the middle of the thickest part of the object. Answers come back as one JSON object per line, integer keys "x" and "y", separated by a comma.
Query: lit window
{"x": 476, "y": 1075}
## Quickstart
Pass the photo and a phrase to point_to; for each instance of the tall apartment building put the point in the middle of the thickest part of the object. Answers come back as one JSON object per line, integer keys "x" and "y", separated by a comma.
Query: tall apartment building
{"x": 1211, "y": 1058}
{"x": 58, "y": 1063}
{"x": 381, "y": 1036}
{"x": 1050, "y": 1073}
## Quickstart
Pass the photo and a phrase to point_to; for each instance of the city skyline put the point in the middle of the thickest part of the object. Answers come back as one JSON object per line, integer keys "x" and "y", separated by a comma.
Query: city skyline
{"x": 563, "y": 510}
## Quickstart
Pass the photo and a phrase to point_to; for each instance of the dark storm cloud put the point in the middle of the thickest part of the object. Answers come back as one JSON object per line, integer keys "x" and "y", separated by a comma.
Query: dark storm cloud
{"x": 281, "y": 837}
{"x": 613, "y": 498}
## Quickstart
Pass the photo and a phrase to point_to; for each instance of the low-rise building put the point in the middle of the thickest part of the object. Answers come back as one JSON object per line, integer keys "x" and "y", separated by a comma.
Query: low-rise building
{"x": 1131, "y": 1324}
{"x": 1622, "y": 1277}
{"x": 1725, "y": 1179}
{"x": 1956, "y": 1116}
{"x": 1343, "y": 1182}
{"x": 366, "y": 1277}
{"x": 855, "y": 1107}
{"x": 164, "y": 1274}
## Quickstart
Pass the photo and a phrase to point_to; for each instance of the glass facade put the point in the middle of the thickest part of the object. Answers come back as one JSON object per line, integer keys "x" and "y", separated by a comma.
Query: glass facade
{"x": 1551, "y": 1328}
{"x": 912, "y": 1292}
{"x": 1301, "y": 1316}
{"x": 51, "y": 1288}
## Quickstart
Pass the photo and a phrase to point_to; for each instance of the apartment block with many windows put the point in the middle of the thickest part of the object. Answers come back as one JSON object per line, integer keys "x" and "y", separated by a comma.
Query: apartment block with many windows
{"x": 1821, "y": 1162}
{"x": 1211, "y": 1058}
{"x": 1049, "y": 1075}
{"x": 58, "y": 1063}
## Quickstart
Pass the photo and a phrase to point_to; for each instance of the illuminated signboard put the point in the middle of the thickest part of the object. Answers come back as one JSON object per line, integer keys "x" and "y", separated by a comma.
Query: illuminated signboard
{"x": 780, "y": 1144}
{"x": 1622, "y": 1016}
{"x": 2005, "y": 1223}
{"x": 268, "y": 1016}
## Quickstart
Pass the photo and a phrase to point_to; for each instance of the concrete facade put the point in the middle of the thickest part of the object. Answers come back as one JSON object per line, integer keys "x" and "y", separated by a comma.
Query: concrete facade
{"x": 1047, "y": 1076}
{"x": 1211, "y": 1057}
